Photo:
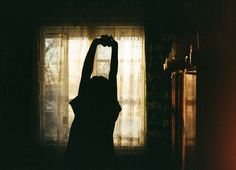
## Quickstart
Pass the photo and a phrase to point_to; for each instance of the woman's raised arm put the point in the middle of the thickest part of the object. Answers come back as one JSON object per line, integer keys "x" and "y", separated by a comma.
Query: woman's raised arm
{"x": 88, "y": 64}
{"x": 114, "y": 66}
{"x": 114, "y": 60}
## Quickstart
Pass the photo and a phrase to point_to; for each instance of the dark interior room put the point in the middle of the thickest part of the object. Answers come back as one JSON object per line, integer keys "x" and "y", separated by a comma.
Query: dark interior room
{"x": 176, "y": 83}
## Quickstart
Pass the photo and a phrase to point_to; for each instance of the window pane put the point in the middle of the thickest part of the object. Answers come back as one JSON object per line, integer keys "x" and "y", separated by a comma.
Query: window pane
{"x": 55, "y": 90}
{"x": 77, "y": 50}
{"x": 130, "y": 126}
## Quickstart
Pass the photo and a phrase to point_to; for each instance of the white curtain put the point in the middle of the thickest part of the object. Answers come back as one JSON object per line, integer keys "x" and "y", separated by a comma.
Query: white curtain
{"x": 62, "y": 56}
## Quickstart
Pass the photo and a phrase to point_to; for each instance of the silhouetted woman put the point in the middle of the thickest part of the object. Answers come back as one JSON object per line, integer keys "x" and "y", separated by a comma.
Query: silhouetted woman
{"x": 96, "y": 109}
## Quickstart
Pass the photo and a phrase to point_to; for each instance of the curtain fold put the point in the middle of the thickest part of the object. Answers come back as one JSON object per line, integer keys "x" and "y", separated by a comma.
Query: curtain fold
{"x": 64, "y": 53}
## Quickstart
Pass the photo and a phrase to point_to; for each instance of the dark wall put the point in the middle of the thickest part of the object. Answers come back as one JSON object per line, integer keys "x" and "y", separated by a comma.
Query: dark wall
{"x": 20, "y": 21}
{"x": 216, "y": 82}
{"x": 17, "y": 46}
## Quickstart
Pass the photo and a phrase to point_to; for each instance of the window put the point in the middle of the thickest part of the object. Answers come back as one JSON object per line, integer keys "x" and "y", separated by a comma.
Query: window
{"x": 63, "y": 51}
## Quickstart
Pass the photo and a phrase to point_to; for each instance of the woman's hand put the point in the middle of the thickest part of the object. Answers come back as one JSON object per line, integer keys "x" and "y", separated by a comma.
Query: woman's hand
{"x": 106, "y": 40}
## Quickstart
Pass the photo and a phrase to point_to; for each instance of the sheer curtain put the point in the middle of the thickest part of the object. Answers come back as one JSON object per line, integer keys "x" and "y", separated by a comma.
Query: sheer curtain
{"x": 62, "y": 56}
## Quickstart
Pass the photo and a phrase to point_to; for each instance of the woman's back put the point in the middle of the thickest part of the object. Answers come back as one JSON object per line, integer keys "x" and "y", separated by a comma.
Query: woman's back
{"x": 96, "y": 109}
{"x": 91, "y": 136}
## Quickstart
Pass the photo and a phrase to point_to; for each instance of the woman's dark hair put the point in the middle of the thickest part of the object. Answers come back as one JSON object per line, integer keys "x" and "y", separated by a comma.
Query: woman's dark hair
{"x": 99, "y": 89}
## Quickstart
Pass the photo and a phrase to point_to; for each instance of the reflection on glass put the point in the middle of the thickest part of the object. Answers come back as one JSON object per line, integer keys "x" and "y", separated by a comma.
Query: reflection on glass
{"x": 189, "y": 117}
{"x": 190, "y": 108}
{"x": 183, "y": 117}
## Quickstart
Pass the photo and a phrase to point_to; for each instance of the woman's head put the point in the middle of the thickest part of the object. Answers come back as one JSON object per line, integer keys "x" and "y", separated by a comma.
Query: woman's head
{"x": 99, "y": 90}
